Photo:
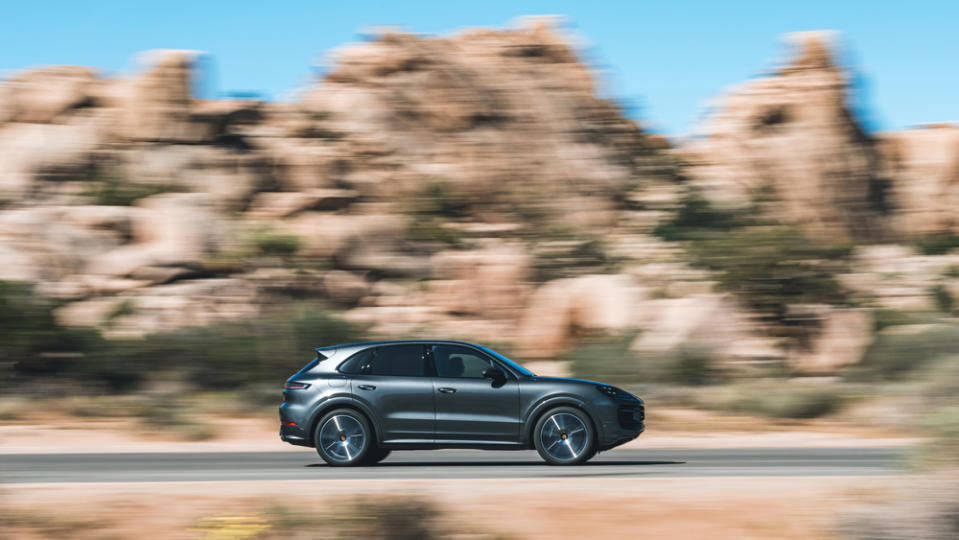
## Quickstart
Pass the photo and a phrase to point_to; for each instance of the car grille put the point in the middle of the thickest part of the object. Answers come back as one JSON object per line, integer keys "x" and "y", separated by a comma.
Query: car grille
{"x": 631, "y": 416}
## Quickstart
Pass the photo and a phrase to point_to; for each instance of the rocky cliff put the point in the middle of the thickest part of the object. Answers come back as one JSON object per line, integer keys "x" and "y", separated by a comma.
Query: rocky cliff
{"x": 473, "y": 185}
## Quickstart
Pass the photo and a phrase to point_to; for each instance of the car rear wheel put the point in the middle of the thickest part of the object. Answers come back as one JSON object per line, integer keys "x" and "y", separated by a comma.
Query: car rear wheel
{"x": 343, "y": 438}
{"x": 565, "y": 436}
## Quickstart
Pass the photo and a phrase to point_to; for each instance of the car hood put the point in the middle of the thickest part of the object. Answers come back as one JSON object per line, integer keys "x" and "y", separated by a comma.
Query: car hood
{"x": 538, "y": 378}
{"x": 624, "y": 395}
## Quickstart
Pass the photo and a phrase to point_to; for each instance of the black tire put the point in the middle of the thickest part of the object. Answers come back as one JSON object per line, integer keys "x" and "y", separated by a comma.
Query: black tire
{"x": 343, "y": 438}
{"x": 565, "y": 436}
{"x": 376, "y": 455}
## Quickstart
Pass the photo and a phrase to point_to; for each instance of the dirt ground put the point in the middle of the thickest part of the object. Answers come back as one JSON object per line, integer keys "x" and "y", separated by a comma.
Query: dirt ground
{"x": 740, "y": 508}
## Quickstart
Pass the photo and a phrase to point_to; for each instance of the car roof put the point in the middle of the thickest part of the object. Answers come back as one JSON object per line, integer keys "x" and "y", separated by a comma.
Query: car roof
{"x": 394, "y": 342}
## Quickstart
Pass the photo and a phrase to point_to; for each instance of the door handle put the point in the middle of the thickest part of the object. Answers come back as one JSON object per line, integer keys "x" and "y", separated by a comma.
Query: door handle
{"x": 447, "y": 390}
{"x": 366, "y": 387}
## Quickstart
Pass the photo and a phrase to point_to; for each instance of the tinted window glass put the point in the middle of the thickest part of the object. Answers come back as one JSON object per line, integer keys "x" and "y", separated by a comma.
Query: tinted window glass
{"x": 356, "y": 363}
{"x": 402, "y": 360}
{"x": 463, "y": 362}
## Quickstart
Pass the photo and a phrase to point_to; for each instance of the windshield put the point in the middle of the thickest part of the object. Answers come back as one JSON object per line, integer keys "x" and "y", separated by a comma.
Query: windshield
{"x": 516, "y": 367}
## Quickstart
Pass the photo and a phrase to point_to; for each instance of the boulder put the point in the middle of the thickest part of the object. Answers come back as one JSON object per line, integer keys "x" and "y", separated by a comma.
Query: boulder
{"x": 842, "y": 338}
{"x": 93, "y": 312}
{"x": 560, "y": 310}
{"x": 156, "y": 104}
{"x": 279, "y": 205}
{"x": 184, "y": 303}
{"x": 31, "y": 152}
{"x": 489, "y": 282}
{"x": 707, "y": 321}
{"x": 169, "y": 230}
{"x": 792, "y": 137}
{"x": 340, "y": 235}
{"x": 923, "y": 167}
{"x": 43, "y": 95}
{"x": 344, "y": 287}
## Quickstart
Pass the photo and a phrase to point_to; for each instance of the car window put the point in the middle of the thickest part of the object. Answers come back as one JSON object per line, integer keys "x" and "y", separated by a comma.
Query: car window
{"x": 461, "y": 362}
{"x": 402, "y": 360}
{"x": 358, "y": 363}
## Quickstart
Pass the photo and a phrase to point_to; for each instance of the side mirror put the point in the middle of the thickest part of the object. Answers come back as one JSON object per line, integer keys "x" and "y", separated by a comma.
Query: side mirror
{"x": 497, "y": 375}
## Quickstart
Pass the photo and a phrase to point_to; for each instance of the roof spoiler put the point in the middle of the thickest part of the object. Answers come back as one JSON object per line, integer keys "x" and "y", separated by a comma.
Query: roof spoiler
{"x": 322, "y": 353}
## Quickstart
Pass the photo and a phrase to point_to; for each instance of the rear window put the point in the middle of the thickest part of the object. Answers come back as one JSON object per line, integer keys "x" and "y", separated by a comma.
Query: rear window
{"x": 358, "y": 363}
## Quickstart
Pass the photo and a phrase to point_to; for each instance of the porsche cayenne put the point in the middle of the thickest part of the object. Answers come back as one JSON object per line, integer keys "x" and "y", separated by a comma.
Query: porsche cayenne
{"x": 356, "y": 403}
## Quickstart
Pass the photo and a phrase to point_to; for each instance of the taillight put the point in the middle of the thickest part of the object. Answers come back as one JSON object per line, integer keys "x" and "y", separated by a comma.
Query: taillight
{"x": 295, "y": 386}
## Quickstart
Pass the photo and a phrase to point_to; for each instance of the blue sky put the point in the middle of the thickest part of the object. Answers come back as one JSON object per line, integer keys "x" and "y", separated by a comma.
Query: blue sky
{"x": 663, "y": 59}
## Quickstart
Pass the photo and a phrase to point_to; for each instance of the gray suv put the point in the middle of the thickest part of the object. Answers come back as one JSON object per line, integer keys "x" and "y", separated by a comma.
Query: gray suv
{"x": 356, "y": 403}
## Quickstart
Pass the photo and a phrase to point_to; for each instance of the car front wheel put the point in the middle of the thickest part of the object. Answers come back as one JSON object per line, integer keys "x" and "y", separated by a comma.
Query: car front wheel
{"x": 343, "y": 438}
{"x": 565, "y": 436}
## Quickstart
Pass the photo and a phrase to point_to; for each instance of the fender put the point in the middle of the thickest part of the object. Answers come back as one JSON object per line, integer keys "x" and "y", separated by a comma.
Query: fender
{"x": 542, "y": 405}
{"x": 339, "y": 400}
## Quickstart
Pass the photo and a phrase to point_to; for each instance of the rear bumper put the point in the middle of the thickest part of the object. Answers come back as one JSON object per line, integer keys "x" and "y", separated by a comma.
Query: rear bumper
{"x": 293, "y": 439}
{"x": 293, "y": 434}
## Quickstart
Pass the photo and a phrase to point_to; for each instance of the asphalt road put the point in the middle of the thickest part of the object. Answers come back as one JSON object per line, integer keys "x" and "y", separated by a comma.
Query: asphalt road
{"x": 306, "y": 465}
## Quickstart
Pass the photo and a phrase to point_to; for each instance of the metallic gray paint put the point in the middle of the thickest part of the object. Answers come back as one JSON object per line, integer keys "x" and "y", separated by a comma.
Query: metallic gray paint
{"x": 412, "y": 412}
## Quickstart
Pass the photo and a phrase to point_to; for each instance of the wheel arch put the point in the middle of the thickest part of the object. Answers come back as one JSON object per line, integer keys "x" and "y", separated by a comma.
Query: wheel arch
{"x": 550, "y": 403}
{"x": 339, "y": 404}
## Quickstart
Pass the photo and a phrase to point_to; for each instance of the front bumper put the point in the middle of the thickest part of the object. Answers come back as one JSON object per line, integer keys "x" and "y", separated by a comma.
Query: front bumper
{"x": 622, "y": 422}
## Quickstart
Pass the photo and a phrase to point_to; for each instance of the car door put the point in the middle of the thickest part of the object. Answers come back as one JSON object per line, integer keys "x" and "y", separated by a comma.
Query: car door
{"x": 393, "y": 381}
{"x": 469, "y": 408}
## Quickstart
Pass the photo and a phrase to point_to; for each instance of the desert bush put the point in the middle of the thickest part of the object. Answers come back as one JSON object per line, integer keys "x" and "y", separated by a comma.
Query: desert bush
{"x": 609, "y": 359}
{"x": 31, "y": 341}
{"x": 944, "y": 300}
{"x": 696, "y": 215}
{"x": 108, "y": 191}
{"x": 269, "y": 242}
{"x": 894, "y": 353}
{"x": 372, "y": 517}
{"x": 226, "y": 355}
{"x": 769, "y": 267}
{"x": 774, "y": 399}
{"x": 606, "y": 359}
{"x": 937, "y": 244}
{"x": 884, "y": 318}
{"x": 938, "y": 416}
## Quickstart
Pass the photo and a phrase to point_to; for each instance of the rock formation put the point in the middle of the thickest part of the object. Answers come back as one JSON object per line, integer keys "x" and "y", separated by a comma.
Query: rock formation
{"x": 791, "y": 136}
{"x": 474, "y": 185}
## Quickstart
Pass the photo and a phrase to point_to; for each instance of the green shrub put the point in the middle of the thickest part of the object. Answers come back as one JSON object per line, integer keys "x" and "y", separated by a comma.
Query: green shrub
{"x": 885, "y": 318}
{"x": 606, "y": 359}
{"x": 609, "y": 359}
{"x": 938, "y": 418}
{"x": 770, "y": 267}
{"x": 893, "y": 354}
{"x": 944, "y": 300}
{"x": 225, "y": 355}
{"x": 110, "y": 191}
{"x": 774, "y": 399}
{"x": 30, "y": 338}
{"x": 431, "y": 229}
{"x": 695, "y": 215}
{"x": 280, "y": 245}
{"x": 938, "y": 244}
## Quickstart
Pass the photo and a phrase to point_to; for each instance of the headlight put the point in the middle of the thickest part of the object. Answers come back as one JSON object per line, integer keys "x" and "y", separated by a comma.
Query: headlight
{"x": 610, "y": 391}
{"x": 615, "y": 393}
